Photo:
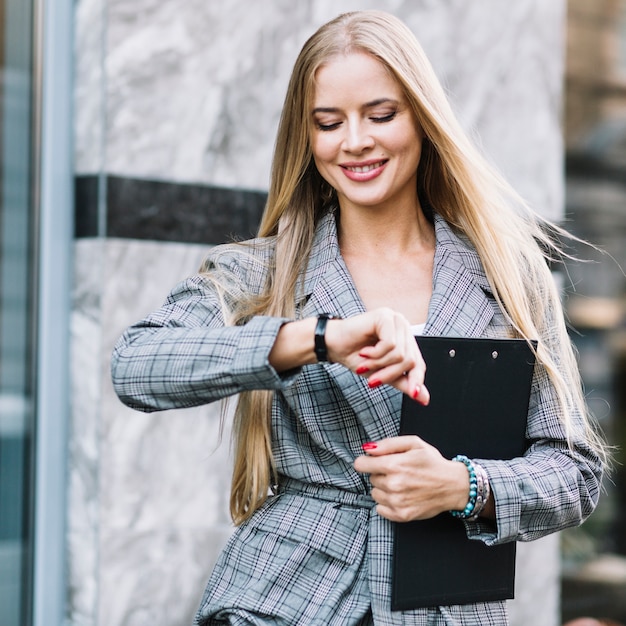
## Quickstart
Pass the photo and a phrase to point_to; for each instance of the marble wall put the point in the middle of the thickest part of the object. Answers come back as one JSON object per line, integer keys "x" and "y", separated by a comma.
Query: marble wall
{"x": 191, "y": 90}
{"x": 188, "y": 93}
{"x": 148, "y": 493}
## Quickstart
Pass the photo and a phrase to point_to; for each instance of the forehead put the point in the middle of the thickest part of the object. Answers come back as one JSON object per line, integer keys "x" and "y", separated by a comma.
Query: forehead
{"x": 353, "y": 77}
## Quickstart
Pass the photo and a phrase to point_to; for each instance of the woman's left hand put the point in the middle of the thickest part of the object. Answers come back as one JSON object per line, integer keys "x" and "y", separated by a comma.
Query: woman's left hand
{"x": 411, "y": 480}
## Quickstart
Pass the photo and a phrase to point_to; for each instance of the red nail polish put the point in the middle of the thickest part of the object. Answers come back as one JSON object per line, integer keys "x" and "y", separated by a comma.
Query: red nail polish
{"x": 374, "y": 382}
{"x": 370, "y": 445}
{"x": 416, "y": 392}
{"x": 362, "y": 369}
{"x": 363, "y": 356}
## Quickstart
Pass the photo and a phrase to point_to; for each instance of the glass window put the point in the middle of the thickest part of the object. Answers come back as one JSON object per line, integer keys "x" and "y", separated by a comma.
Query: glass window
{"x": 16, "y": 302}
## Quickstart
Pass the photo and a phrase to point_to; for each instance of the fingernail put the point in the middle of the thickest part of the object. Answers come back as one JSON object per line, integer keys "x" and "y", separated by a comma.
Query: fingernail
{"x": 374, "y": 382}
{"x": 362, "y": 369}
{"x": 363, "y": 356}
{"x": 370, "y": 445}
{"x": 416, "y": 392}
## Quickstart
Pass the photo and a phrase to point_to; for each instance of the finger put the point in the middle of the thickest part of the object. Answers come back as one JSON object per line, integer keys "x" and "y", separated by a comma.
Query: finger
{"x": 385, "y": 506}
{"x": 395, "y": 514}
{"x": 421, "y": 395}
{"x": 414, "y": 383}
{"x": 409, "y": 382}
{"x": 393, "y": 445}
{"x": 401, "y": 365}
{"x": 418, "y": 371}
{"x": 388, "y": 327}
{"x": 414, "y": 386}
{"x": 394, "y": 506}
{"x": 405, "y": 359}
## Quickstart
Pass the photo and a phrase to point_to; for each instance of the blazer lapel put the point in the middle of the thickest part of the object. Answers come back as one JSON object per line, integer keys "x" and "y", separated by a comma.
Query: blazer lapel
{"x": 462, "y": 303}
{"x": 328, "y": 288}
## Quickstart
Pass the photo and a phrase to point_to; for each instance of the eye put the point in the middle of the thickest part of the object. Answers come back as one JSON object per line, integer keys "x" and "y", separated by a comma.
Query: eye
{"x": 381, "y": 119}
{"x": 327, "y": 127}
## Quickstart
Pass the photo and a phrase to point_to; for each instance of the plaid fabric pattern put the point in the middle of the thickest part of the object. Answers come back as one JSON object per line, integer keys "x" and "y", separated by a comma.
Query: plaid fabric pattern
{"x": 318, "y": 553}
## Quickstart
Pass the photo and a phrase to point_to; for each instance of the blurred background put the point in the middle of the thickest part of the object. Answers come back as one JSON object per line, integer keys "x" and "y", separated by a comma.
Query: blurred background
{"x": 135, "y": 134}
{"x": 595, "y": 210}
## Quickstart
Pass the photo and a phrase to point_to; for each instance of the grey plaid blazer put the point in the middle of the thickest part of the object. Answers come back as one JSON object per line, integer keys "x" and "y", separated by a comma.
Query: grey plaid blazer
{"x": 317, "y": 552}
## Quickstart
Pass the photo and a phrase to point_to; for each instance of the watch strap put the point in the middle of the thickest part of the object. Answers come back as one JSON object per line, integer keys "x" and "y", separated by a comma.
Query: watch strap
{"x": 321, "y": 351}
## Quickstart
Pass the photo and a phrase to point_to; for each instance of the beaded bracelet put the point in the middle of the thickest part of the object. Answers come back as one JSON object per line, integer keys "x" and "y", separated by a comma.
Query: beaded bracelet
{"x": 468, "y": 511}
{"x": 479, "y": 490}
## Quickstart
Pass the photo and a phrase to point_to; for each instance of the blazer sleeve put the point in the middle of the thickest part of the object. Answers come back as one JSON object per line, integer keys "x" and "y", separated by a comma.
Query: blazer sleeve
{"x": 555, "y": 485}
{"x": 184, "y": 355}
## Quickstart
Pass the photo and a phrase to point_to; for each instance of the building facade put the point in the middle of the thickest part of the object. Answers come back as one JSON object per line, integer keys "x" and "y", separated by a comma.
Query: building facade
{"x": 175, "y": 106}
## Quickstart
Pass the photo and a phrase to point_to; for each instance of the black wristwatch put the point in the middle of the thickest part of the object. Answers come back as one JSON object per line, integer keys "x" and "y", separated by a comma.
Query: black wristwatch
{"x": 320, "y": 340}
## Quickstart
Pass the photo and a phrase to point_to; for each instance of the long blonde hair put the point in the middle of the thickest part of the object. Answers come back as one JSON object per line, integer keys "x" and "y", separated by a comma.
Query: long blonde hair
{"x": 454, "y": 178}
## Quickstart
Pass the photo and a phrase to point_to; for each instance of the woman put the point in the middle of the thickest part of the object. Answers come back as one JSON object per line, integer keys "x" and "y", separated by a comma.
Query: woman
{"x": 381, "y": 213}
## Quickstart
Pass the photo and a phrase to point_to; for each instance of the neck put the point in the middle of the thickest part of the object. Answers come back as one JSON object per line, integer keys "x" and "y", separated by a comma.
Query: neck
{"x": 392, "y": 232}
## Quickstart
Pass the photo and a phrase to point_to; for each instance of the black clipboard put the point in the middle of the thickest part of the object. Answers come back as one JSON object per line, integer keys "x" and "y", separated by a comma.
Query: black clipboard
{"x": 480, "y": 390}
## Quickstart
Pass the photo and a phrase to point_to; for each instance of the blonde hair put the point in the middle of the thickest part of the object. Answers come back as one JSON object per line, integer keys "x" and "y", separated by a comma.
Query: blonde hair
{"x": 454, "y": 178}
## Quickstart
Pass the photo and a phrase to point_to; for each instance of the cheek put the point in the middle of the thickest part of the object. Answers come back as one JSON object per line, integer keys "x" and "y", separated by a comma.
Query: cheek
{"x": 411, "y": 149}
{"x": 323, "y": 148}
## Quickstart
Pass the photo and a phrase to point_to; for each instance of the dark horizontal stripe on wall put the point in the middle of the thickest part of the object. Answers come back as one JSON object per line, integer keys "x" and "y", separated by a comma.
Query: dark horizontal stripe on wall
{"x": 86, "y": 206}
{"x": 165, "y": 211}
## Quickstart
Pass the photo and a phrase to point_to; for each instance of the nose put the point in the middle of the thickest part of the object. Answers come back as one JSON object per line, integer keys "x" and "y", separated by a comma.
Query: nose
{"x": 357, "y": 138}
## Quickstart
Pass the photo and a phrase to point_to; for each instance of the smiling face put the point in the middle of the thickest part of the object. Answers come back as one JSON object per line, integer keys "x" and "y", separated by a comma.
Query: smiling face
{"x": 365, "y": 140}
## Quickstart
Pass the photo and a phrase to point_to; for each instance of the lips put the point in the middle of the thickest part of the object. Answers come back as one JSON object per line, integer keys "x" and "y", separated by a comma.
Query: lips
{"x": 363, "y": 171}
{"x": 366, "y": 167}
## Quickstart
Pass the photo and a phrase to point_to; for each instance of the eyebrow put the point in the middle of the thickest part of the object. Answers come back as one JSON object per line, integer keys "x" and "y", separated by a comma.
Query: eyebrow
{"x": 367, "y": 105}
